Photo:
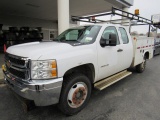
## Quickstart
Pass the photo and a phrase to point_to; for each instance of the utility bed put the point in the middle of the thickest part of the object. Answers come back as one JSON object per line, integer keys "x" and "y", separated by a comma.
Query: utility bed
{"x": 141, "y": 45}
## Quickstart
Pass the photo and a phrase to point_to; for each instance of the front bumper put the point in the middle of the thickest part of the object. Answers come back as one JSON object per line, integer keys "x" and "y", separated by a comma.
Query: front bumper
{"x": 42, "y": 92}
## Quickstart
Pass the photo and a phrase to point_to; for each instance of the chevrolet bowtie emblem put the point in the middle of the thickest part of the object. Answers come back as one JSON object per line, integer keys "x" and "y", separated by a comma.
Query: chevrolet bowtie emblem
{"x": 13, "y": 78}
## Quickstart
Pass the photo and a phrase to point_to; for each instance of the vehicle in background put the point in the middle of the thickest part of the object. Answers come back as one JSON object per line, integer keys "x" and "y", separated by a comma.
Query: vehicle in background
{"x": 156, "y": 46}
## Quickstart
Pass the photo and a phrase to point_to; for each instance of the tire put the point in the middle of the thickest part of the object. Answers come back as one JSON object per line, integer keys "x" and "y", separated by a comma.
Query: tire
{"x": 141, "y": 67}
{"x": 76, "y": 91}
{"x": 154, "y": 53}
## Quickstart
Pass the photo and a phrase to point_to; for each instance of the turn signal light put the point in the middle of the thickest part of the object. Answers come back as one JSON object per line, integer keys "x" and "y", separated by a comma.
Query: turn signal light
{"x": 54, "y": 73}
{"x": 54, "y": 64}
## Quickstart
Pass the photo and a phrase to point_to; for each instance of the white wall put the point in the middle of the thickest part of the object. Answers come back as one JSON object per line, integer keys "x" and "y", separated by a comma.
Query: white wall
{"x": 46, "y": 33}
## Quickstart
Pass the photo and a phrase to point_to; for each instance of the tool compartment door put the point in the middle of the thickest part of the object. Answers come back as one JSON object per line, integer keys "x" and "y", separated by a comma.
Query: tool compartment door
{"x": 142, "y": 45}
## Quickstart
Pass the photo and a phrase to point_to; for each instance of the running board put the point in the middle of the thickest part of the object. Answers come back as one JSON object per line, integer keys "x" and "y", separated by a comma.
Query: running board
{"x": 111, "y": 80}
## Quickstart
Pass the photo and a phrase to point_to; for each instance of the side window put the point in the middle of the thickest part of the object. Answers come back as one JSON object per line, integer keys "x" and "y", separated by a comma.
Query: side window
{"x": 108, "y": 31}
{"x": 124, "y": 35}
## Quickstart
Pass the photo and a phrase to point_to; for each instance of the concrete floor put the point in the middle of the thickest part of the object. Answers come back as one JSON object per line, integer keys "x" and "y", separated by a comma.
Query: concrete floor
{"x": 1, "y": 59}
{"x": 133, "y": 98}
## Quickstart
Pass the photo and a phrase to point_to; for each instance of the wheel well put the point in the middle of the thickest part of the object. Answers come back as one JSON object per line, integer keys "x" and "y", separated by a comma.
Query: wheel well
{"x": 86, "y": 69}
{"x": 146, "y": 55}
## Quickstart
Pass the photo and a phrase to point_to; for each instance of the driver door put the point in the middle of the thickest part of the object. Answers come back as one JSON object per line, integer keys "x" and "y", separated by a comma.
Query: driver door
{"x": 108, "y": 60}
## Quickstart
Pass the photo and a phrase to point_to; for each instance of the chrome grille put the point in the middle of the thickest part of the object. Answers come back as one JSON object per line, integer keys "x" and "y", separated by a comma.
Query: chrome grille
{"x": 17, "y": 66}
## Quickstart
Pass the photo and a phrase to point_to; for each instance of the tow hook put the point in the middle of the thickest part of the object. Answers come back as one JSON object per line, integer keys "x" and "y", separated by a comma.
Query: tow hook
{"x": 27, "y": 105}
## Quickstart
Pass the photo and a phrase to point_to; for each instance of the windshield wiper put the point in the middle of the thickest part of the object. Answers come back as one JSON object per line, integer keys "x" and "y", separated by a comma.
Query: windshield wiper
{"x": 76, "y": 44}
{"x": 56, "y": 40}
{"x": 70, "y": 41}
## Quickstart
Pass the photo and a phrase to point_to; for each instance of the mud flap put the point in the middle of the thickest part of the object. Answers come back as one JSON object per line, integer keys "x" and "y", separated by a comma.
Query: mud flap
{"x": 27, "y": 105}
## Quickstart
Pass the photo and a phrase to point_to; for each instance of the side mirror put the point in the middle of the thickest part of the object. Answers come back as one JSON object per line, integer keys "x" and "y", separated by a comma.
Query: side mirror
{"x": 112, "y": 41}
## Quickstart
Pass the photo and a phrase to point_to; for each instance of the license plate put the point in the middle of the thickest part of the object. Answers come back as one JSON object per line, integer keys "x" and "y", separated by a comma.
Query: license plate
{"x": 3, "y": 67}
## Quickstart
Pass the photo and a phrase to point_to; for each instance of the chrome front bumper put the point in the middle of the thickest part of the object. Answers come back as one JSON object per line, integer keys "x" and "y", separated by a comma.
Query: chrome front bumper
{"x": 42, "y": 92}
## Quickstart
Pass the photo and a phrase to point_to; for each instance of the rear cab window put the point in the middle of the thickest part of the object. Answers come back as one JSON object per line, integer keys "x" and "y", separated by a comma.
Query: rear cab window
{"x": 124, "y": 35}
{"x": 109, "y": 30}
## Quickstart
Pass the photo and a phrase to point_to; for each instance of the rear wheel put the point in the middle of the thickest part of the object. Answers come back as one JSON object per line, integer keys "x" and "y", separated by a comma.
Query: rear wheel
{"x": 154, "y": 53}
{"x": 141, "y": 67}
{"x": 75, "y": 94}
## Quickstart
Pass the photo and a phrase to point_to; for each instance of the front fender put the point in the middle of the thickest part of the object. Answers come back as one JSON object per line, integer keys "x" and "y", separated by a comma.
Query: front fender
{"x": 79, "y": 55}
{"x": 72, "y": 61}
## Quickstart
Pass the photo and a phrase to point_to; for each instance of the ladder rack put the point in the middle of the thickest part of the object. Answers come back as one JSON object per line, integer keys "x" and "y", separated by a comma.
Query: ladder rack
{"x": 125, "y": 16}
{"x": 114, "y": 11}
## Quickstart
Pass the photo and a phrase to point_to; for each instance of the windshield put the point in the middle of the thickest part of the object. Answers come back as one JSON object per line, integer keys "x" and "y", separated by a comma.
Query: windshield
{"x": 83, "y": 34}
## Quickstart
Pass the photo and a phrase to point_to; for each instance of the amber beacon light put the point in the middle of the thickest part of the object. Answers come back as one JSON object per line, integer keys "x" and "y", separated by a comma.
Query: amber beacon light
{"x": 136, "y": 12}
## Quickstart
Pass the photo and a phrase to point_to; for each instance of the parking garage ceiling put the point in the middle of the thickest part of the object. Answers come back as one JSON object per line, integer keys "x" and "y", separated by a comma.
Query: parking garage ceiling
{"x": 47, "y": 9}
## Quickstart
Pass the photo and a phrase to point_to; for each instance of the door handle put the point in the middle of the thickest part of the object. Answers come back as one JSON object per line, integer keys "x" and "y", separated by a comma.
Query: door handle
{"x": 119, "y": 50}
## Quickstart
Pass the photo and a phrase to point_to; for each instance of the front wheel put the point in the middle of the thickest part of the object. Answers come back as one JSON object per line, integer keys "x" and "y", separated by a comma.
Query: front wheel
{"x": 75, "y": 94}
{"x": 141, "y": 67}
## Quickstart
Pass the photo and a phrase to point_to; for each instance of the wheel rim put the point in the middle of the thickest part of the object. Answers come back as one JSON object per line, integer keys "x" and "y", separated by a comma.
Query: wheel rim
{"x": 77, "y": 95}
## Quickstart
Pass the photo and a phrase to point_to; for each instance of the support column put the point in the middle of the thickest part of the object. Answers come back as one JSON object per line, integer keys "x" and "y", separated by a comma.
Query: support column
{"x": 63, "y": 15}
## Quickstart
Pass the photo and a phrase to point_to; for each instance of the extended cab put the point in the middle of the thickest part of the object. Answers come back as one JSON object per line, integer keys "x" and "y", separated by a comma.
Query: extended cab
{"x": 64, "y": 71}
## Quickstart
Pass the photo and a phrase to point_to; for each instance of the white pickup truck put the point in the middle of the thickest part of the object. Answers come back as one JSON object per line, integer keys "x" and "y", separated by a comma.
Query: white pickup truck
{"x": 65, "y": 70}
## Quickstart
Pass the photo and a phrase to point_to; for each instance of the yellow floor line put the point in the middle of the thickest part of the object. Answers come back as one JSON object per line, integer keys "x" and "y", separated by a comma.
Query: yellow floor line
{"x": 1, "y": 74}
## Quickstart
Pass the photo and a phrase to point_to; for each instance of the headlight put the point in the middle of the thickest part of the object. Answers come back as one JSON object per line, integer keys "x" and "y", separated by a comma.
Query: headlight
{"x": 43, "y": 69}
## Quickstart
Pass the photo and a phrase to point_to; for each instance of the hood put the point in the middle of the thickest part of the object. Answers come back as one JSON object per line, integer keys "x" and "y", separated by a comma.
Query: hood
{"x": 35, "y": 50}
